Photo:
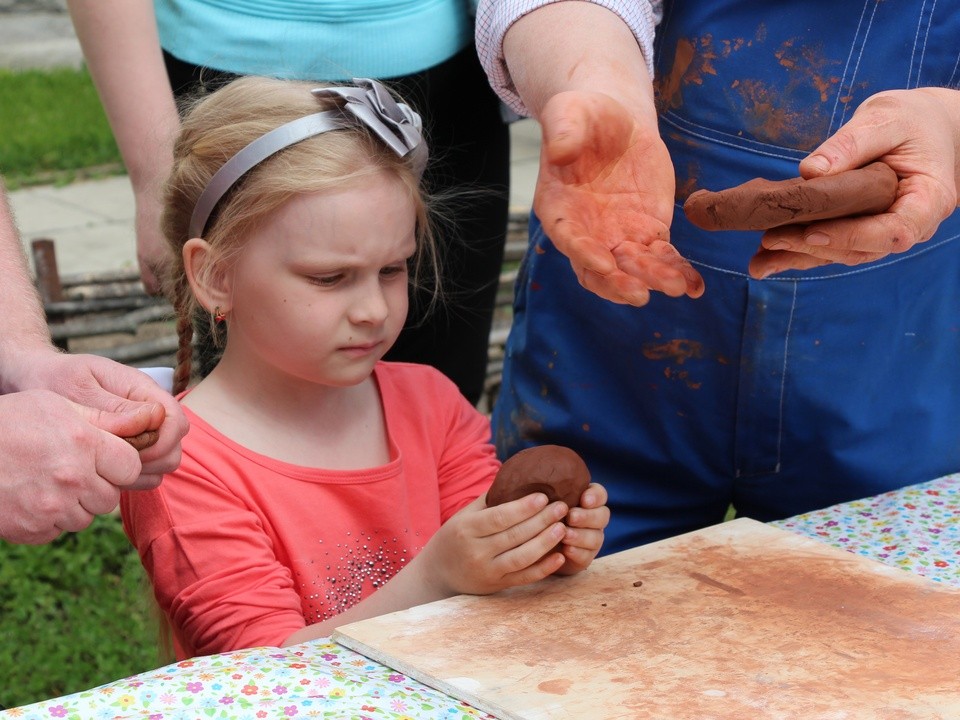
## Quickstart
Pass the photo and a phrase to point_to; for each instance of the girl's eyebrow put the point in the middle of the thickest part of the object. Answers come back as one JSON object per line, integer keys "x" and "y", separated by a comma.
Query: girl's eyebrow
{"x": 333, "y": 265}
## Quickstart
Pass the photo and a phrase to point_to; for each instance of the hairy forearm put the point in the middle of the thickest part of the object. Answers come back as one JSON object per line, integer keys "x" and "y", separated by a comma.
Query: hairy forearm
{"x": 577, "y": 46}
{"x": 122, "y": 50}
{"x": 23, "y": 326}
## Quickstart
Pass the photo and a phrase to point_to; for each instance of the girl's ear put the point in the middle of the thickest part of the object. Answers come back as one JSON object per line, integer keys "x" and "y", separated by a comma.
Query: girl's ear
{"x": 207, "y": 275}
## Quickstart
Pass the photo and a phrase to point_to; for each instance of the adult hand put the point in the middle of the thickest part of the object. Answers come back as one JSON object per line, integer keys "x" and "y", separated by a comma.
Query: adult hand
{"x": 105, "y": 385}
{"x": 152, "y": 250}
{"x": 605, "y": 196}
{"x": 121, "y": 47}
{"x": 60, "y": 469}
{"x": 915, "y": 132}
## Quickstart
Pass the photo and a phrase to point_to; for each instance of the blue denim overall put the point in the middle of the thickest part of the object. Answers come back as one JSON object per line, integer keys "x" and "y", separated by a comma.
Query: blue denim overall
{"x": 779, "y": 396}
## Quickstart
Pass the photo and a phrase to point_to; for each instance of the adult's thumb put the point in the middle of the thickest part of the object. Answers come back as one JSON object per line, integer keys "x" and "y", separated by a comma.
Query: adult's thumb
{"x": 863, "y": 139}
{"x": 134, "y": 420}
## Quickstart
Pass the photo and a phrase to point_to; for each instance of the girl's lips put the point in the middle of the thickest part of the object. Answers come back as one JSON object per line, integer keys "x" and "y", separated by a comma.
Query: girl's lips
{"x": 360, "y": 349}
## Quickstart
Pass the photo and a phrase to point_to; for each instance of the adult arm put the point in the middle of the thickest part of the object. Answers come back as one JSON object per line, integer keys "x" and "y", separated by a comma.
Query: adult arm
{"x": 915, "y": 132}
{"x": 126, "y": 401}
{"x": 23, "y": 326}
{"x": 605, "y": 191}
{"x": 63, "y": 461}
{"x": 122, "y": 50}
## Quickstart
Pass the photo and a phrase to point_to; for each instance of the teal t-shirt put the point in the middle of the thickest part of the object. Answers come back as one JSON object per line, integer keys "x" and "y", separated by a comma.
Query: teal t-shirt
{"x": 320, "y": 40}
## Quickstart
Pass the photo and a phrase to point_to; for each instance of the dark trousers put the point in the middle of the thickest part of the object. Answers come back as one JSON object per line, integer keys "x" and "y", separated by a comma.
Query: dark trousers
{"x": 470, "y": 163}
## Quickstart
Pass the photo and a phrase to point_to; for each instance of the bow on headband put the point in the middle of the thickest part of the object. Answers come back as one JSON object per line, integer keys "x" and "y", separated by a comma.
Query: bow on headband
{"x": 367, "y": 103}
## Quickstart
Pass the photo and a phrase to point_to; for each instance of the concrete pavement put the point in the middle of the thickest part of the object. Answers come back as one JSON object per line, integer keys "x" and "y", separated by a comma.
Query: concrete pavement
{"x": 92, "y": 221}
{"x": 38, "y": 40}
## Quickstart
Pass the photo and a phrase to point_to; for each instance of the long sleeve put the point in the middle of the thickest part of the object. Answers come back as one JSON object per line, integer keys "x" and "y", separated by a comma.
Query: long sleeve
{"x": 494, "y": 18}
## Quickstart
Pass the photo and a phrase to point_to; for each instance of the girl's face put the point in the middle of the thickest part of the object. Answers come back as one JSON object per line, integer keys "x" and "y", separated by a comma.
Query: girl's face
{"x": 319, "y": 292}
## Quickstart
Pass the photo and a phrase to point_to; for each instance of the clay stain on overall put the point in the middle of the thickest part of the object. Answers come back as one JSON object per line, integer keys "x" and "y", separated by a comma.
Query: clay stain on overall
{"x": 687, "y": 183}
{"x": 770, "y": 115}
{"x": 677, "y": 352}
{"x": 766, "y": 105}
{"x": 668, "y": 90}
{"x": 694, "y": 58}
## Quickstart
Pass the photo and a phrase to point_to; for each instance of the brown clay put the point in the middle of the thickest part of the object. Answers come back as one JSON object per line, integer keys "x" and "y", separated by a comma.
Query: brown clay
{"x": 551, "y": 469}
{"x": 143, "y": 440}
{"x": 763, "y": 204}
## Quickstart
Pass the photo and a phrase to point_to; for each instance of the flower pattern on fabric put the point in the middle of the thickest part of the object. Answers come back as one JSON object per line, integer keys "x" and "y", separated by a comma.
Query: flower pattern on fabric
{"x": 916, "y": 528}
{"x": 318, "y": 679}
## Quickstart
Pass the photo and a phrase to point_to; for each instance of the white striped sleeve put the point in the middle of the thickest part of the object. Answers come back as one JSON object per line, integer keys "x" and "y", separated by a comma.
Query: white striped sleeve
{"x": 494, "y": 18}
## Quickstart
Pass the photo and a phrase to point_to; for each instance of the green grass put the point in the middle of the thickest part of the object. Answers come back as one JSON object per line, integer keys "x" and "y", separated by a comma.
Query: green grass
{"x": 74, "y": 614}
{"x": 53, "y": 128}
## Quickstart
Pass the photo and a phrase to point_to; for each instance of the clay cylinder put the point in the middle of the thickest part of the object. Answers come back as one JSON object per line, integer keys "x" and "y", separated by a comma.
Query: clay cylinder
{"x": 763, "y": 204}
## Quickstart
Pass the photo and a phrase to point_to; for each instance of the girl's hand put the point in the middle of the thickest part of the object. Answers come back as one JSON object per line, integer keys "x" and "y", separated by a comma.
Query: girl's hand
{"x": 482, "y": 550}
{"x": 584, "y": 534}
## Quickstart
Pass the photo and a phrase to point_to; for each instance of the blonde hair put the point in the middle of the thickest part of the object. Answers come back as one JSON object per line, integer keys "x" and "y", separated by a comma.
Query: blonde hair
{"x": 216, "y": 128}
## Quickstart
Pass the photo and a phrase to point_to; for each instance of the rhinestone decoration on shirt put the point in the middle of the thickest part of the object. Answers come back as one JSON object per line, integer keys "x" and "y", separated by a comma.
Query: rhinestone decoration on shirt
{"x": 355, "y": 568}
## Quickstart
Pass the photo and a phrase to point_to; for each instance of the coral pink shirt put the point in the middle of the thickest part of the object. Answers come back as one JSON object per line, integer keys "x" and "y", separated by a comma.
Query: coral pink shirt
{"x": 244, "y": 550}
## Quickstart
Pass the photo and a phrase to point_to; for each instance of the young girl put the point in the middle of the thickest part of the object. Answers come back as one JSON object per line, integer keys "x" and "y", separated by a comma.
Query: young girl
{"x": 320, "y": 485}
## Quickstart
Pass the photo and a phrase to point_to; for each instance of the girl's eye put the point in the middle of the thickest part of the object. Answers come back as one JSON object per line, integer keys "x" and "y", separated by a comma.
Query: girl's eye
{"x": 326, "y": 280}
{"x": 393, "y": 270}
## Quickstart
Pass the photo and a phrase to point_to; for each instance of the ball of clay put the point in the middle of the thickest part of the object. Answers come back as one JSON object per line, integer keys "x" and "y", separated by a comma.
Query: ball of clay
{"x": 144, "y": 440}
{"x": 764, "y": 204}
{"x": 551, "y": 469}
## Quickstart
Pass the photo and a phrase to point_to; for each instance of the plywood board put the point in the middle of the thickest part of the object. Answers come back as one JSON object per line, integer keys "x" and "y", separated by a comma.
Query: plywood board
{"x": 740, "y": 620}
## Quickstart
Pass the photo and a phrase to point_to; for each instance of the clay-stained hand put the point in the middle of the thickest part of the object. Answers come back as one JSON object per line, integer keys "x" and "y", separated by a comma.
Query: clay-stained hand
{"x": 915, "y": 132}
{"x": 481, "y": 550}
{"x": 132, "y": 403}
{"x": 605, "y": 196}
{"x": 585, "y": 526}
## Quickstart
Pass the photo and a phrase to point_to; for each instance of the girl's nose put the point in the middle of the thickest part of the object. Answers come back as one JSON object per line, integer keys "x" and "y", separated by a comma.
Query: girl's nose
{"x": 370, "y": 306}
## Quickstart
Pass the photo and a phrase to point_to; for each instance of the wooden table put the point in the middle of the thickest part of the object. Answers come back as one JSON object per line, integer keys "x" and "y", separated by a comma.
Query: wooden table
{"x": 739, "y": 620}
{"x": 915, "y": 529}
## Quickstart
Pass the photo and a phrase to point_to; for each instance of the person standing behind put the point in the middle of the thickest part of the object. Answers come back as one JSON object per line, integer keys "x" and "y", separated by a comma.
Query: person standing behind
{"x": 63, "y": 417}
{"x": 137, "y": 50}
{"x": 320, "y": 485}
{"x": 820, "y": 365}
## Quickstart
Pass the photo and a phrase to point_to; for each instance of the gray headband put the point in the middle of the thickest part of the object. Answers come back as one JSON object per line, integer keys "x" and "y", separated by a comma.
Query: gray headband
{"x": 368, "y": 104}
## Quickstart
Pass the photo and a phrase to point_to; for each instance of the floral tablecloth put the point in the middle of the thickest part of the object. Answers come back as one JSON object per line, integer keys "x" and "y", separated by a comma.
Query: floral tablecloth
{"x": 916, "y": 528}
{"x": 319, "y": 679}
